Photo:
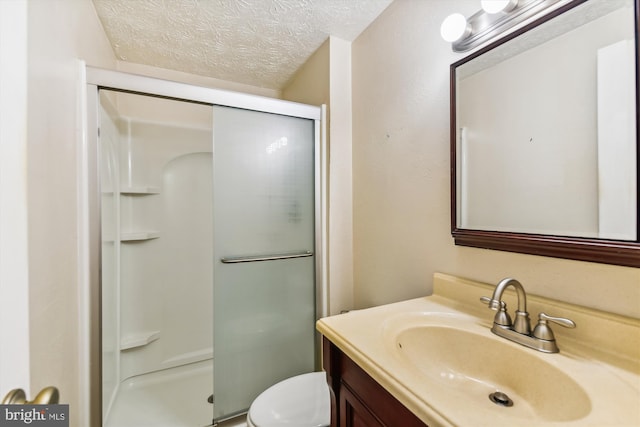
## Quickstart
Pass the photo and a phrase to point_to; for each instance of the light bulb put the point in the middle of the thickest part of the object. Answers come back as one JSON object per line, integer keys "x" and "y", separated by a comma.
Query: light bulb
{"x": 454, "y": 27}
{"x": 496, "y": 6}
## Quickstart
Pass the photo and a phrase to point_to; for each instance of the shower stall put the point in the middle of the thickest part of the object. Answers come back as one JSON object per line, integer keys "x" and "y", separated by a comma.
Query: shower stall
{"x": 208, "y": 210}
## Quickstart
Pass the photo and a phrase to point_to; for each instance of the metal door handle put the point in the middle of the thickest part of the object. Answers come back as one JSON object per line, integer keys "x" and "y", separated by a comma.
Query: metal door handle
{"x": 47, "y": 396}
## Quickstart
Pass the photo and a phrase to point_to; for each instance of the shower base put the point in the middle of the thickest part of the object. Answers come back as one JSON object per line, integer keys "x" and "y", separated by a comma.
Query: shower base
{"x": 175, "y": 397}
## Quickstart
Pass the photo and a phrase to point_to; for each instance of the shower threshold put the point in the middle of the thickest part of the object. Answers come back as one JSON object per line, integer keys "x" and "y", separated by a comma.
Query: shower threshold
{"x": 175, "y": 397}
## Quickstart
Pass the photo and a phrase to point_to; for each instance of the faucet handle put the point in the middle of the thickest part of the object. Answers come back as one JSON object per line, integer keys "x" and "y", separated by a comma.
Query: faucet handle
{"x": 543, "y": 331}
{"x": 493, "y": 304}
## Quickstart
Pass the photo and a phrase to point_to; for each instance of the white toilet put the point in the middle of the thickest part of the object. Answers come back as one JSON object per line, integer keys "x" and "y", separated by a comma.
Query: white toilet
{"x": 300, "y": 401}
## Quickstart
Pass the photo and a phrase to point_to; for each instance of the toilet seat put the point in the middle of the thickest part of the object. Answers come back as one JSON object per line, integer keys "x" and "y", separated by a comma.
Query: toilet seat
{"x": 300, "y": 401}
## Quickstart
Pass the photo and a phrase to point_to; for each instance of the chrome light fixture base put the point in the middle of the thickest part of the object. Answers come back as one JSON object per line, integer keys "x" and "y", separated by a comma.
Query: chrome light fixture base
{"x": 485, "y": 26}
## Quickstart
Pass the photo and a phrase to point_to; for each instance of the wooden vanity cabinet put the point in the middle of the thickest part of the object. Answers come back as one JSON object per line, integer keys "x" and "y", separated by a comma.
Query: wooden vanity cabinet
{"x": 357, "y": 400}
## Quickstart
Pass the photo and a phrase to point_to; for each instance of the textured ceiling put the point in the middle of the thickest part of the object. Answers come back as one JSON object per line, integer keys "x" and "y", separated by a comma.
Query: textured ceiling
{"x": 256, "y": 42}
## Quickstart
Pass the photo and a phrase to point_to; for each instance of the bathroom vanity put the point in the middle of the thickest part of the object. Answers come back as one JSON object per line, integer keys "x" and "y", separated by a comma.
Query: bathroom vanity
{"x": 356, "y": 398}
{"x": 434, "y": 361}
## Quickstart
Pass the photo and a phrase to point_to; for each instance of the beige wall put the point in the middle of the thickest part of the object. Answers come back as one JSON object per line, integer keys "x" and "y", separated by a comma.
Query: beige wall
{"x": 401, "y": 176}
{"x": 326, "y": 79}
{"x": 310, "y": 84}
{"x": 59, "y": 33}
{"x": 340, "y": 180}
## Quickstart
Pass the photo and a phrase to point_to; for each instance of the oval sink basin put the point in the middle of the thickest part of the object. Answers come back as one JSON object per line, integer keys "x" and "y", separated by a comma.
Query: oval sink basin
{"x": 473, "y": 365}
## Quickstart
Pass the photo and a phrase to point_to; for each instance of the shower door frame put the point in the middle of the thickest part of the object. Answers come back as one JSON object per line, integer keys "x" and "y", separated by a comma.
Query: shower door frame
{"x": 95, "y": 79}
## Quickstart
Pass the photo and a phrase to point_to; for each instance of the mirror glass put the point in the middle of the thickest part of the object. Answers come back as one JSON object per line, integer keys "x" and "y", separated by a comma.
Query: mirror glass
{"x": 544, "y": 136}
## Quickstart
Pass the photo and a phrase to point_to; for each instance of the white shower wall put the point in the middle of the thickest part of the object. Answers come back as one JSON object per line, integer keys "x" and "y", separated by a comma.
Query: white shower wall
{"x": 158, "y": 292}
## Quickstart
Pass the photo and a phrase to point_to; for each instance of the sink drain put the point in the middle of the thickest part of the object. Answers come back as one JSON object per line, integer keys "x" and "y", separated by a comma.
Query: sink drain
{"x": 499, "y": 398}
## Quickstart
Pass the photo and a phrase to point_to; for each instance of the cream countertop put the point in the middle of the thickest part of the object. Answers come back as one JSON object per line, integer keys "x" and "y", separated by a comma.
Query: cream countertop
{"x": 610, "y": 377}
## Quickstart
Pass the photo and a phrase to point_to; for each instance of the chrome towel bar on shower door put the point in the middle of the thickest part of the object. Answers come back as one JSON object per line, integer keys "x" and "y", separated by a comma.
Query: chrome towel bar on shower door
{"x": 254, "y": 258}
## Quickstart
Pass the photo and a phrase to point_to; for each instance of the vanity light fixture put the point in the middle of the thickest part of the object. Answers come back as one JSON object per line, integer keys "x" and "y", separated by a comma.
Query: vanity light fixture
{"x": 455, "y": 27}
{"x": 495, "y": 17}
{"x": 497, "y": 6}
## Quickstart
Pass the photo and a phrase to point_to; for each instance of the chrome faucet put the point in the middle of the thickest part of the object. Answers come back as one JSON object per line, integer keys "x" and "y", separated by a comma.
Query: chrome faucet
{"x": 541, "y": 339}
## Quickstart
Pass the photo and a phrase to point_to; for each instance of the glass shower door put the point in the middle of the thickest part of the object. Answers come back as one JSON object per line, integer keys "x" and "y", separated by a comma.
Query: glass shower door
{"x": 264, "y": 277}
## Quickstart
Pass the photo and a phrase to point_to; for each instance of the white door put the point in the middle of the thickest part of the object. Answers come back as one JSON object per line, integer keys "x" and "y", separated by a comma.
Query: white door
{"x": 14, "y": 283}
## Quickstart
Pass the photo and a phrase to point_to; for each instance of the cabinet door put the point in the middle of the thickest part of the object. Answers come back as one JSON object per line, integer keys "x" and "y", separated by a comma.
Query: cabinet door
{"x": 357, "y": 400}
{"x": 353, "y": 413}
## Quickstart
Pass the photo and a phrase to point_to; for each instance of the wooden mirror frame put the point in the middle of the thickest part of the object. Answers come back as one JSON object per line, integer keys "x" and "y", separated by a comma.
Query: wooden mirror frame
{"x": 616, "y": 252}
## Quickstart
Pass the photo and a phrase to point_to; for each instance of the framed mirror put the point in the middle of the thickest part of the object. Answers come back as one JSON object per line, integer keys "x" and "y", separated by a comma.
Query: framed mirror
{"x": 544, "y": 137}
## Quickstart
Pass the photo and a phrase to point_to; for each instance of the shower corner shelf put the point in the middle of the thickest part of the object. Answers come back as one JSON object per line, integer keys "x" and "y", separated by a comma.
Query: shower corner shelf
{"x": 140, "y": 190}
{"x": 136, "y": 236}
{"x": 138, "y": 340}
